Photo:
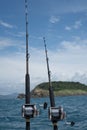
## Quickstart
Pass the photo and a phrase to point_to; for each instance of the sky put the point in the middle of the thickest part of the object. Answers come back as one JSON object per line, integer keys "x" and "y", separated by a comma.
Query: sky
{"x": 63, "y": 23}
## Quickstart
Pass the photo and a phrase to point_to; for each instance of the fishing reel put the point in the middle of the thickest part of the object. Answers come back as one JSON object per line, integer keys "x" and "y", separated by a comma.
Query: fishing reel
{"x": 56, "y": 114}
{"x": 29, "y": 111}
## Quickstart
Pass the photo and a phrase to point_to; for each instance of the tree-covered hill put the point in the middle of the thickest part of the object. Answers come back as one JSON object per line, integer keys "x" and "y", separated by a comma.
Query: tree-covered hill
{"x": 60, "y": 88}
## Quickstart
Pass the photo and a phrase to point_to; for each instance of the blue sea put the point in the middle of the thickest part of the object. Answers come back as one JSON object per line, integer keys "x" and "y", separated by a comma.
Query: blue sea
{"x": 74, "y": 106}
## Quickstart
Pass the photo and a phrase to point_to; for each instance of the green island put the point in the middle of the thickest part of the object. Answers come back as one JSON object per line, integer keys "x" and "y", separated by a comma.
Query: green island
{"x": 60, "y": 88}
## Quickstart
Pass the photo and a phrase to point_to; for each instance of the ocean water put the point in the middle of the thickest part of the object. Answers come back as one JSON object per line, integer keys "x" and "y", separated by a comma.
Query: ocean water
{"x": 75, "y": 107}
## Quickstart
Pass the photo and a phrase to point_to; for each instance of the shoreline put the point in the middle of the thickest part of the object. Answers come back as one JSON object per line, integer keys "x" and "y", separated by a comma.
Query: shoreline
{"x": 60, "y": 95}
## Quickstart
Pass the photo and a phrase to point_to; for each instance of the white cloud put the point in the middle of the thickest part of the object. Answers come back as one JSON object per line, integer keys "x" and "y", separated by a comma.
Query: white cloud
{"x": 4, "y": 24}
{"x": 68, "y": 28}
{"x": 17, "y": 34}
{"x": 6, "y": 42}
{"x": 80, "y": 77}
{"x": 54, "y": 19}
{"x": 11, "y": 72}
{"x": 76, "y": 25}
{"x": 69, "y": 59}
{"x": 64, "y": 63}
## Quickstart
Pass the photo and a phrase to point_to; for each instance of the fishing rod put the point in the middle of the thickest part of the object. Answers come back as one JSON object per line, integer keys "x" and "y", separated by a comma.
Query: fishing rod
{"x": 55, "y": 113}
{"x": 27, "y": 76}
{"x": 28, "y": 110}
{"x": 51, "y": 94}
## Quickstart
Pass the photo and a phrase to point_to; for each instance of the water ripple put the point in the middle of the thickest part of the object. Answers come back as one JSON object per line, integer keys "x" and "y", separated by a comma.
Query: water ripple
{"x": 75, "y": 107}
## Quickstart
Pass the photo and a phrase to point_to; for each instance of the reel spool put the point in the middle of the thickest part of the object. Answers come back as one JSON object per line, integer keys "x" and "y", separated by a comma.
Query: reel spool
{"x": 29, "y": 111}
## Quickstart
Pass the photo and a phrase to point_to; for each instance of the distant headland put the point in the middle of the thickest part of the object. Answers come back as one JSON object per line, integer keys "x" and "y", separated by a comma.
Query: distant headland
{"x": 60, "y": 88}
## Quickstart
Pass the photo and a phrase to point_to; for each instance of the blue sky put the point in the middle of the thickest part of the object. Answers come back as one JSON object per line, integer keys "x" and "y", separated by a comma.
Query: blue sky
{"x": 64, "y": 25}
